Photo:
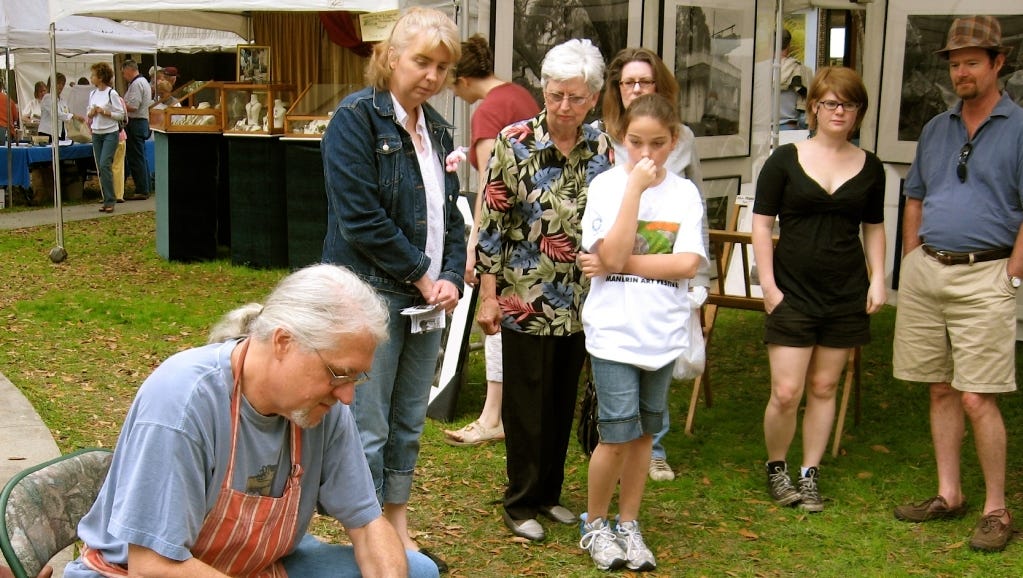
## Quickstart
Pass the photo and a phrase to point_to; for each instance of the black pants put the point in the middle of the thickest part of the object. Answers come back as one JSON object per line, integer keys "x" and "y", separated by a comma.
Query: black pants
{"x": 541, "y": 381}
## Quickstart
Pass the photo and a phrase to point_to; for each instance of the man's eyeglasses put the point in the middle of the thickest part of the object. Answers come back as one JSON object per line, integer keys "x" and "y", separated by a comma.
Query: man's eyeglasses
{"x": 834, "y": 104}
{"x": 636, "y": 83}
{"x": 556, "y": 98}
{"x": 339, "y": 380}
{"x": 964, "y": 155}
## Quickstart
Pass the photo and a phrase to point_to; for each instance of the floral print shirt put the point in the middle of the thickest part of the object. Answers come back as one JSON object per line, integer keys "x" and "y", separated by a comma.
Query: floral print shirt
{"x": 530, "y": 225}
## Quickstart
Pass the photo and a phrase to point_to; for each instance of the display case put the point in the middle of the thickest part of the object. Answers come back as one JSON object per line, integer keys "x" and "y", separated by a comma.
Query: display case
{"x": 255, "y": 109}
{"x": 308, "y": 117}
{"x": 195, "y": 108}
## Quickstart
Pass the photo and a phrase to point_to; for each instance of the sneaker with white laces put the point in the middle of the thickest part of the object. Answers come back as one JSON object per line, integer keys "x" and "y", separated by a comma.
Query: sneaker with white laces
{"x": 602, "y": 544}
{"x": 809, "y": 494}
{"x": 639, "y": 558}
{"x": 779, "y": 484}
{"x": 660, "y": 471}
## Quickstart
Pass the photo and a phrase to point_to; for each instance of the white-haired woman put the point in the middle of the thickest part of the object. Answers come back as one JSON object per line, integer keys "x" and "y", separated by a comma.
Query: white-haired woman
{"x": 531, "y": 288}
{"x": 392, "y": 219}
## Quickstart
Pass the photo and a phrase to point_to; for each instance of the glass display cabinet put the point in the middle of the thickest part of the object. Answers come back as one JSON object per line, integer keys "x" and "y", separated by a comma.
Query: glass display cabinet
{"x": 195, "y": 107}
{"x": 255, "y": 109}
{"x": 309, "y": 116}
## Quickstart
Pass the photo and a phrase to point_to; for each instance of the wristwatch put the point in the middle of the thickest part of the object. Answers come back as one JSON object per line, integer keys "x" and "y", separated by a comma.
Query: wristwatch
{"x": 1015, "y": 281}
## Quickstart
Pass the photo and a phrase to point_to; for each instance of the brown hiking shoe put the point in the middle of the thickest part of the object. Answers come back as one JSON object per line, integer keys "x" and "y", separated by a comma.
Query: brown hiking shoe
{"x": 935, "y": 508}
{"x": 991, "y": 533}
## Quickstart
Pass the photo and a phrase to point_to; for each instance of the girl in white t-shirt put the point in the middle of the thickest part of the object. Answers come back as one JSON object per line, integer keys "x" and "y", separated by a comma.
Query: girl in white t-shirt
{"x": 642, "y": 228}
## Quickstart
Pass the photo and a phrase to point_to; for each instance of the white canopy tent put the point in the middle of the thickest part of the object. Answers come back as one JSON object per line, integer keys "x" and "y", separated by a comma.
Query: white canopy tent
{"x": 25, "y": 27}
{"x": 189, "y": 39}
{"x": 187, "y": 12}
{"x": 215, "y": 14}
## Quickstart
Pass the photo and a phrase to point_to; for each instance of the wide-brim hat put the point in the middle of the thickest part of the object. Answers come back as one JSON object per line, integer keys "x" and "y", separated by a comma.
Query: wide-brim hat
{"x": 974, "y": 32}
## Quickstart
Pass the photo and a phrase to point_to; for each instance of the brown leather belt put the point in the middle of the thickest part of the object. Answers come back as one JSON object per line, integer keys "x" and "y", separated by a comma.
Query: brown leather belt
{"x": 952, "y": 258}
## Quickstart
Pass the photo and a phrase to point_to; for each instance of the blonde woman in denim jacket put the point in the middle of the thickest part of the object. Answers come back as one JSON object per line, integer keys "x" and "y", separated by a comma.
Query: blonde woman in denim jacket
{"x": 392, "y": 219}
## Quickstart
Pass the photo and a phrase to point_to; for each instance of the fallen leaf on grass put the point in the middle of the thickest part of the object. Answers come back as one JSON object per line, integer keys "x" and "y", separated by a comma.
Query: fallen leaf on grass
{"x": 865, "y": 475}
{"x": 950, "y": 547}
{"x": 880, "y": 449}
{"x": 748, "y": 534}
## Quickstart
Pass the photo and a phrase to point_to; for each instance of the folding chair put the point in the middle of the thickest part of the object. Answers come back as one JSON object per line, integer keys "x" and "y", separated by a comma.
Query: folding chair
{"x": 40, "y": 508}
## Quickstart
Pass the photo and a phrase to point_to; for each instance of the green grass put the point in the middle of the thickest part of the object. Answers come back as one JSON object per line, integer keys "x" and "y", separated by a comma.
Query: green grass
{"x": 81, "y": 336}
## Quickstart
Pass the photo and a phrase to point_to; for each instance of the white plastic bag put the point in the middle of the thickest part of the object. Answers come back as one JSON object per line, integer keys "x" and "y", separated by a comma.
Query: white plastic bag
{"x": 691, "y": 362}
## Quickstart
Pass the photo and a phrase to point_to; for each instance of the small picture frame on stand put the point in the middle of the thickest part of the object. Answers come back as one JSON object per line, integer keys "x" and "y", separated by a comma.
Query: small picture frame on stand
{"x": 253, "y": 64}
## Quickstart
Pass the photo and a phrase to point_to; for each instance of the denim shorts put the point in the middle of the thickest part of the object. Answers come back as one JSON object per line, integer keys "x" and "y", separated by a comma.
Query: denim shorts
{"x": 630, "y": 401}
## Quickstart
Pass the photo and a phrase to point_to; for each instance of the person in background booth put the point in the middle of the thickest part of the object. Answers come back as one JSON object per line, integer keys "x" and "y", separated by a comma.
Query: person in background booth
{"x": 393, "y": 219}
{"x": 962, "y": 264}
{"x": 105, "y": 109}
{"x": 246, "y": 438}
{"x": 503, "y": 103}
{"x": 635, "y": 72}
{"x": 137, "y": 100}
{"x": 33, "y": 109}
{"x": 531, "y": 288}
{"x": 46, "y": 119}
{"x": 8, "y": 114}
{"x": 821, "y": 283}
{"x": 794, "y": 76}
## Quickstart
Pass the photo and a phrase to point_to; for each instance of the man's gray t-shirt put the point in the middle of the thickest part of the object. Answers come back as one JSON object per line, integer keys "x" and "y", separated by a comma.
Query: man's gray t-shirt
{"x": 173, "y": 451}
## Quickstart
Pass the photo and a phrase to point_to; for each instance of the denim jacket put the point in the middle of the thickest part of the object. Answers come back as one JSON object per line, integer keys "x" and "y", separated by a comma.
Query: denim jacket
{"x": 376, "y": 200}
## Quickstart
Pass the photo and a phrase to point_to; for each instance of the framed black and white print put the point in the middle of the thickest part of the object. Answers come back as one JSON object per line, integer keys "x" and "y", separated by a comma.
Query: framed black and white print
{"x": 719, "y": 199}
{"x": 916, "y": 84}
{"x": 708, "y": 44}
{"x": 527, "y": 29}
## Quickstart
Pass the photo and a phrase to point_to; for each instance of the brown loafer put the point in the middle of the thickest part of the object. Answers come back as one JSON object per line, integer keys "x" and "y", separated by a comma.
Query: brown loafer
{"x": 935, "y": 508}
{"x": 992, "y": 534}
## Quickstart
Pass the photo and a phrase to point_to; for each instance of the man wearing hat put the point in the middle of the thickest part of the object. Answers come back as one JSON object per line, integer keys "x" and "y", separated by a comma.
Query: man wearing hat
{"x": 961, "y": 267}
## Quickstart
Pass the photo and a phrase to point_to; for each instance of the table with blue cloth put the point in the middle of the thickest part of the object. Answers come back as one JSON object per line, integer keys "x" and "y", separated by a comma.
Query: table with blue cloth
{"x": 24, "y": 156}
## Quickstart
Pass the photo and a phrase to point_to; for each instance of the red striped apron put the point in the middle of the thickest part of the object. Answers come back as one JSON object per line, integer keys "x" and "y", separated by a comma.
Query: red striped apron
{"x": 243, "y": 535}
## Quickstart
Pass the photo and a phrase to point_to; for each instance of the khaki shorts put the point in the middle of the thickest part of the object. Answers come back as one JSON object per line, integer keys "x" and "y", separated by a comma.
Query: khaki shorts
{"x": 955, "y": 324}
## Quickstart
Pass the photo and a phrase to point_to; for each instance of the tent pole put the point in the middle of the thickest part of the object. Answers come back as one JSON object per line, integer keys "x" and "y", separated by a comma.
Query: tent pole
{"x": 58, "y": 253}
{"x": 10, "y": 128}
{"x": 779, "y": 26}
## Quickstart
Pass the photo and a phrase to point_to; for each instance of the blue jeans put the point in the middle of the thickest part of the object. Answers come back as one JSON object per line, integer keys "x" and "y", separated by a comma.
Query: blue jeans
{"x": 630, "y": 400}
{"x": 390, "y": 409}
{"x": 135, "y": 154}
{"x": 658, "y": 450}
{"x": 315, "y": 559}
{"x": 104, "y": 145}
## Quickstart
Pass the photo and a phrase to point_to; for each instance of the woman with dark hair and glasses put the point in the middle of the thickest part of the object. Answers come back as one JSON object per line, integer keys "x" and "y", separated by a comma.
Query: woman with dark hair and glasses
{"x": 820, "y": 282}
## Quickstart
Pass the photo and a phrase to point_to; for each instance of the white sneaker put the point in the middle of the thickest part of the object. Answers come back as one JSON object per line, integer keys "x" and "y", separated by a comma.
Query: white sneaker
{"x": 660, "y": 471}
{"x": 602, "y": 545}
{"x": 639, "y": 557}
